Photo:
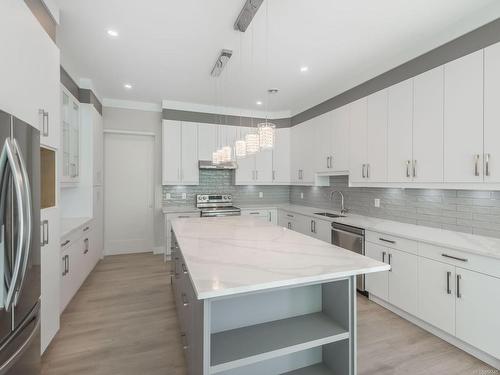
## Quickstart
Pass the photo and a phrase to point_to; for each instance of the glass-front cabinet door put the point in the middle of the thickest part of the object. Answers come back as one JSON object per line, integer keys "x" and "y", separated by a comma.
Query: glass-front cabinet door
{"x": 70, "y": 117}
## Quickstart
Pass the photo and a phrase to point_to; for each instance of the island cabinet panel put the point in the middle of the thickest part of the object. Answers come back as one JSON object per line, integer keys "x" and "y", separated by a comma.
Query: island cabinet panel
{"x": 377, "y": 283}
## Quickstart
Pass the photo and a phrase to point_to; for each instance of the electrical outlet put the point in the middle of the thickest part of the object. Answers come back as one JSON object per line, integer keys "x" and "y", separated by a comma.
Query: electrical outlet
{"x": 261, "y": 194}
{"x": 184, "y": 196}
{"x": 376, "y": 202}
{"x": 301, "y": 195}
{"x": 168, "y": 196}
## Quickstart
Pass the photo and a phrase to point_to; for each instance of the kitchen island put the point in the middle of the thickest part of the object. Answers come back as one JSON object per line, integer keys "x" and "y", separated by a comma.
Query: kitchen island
{"x": 256, "y": 298}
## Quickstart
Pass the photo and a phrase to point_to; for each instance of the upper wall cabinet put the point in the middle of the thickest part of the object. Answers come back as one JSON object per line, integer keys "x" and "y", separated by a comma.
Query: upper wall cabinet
{"x": 491, "y": 158}
{"x": 29, "y": 71}
{"x": 70, "y": 128}
{"x": 339, "y": 162}
{"x": 463, "y": 119}
{"x": 376, "y": 168}
{"x": 399, "y": 132}
{"x": 281, "y": 157}
{"x": 357, "y": 140}
{"x": 323, "y": 145}
{"x": 428, "y": 108}
{"x": 302, "y": 159}
{"x": 180, "y": 153}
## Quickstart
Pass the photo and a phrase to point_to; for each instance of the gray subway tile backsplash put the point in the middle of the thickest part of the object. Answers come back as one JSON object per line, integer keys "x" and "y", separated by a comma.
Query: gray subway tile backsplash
{"x": 476, "y": 212}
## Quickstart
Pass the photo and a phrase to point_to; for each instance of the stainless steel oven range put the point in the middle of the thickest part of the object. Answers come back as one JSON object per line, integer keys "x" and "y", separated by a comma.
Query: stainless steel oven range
{"x": 213, "y": 205}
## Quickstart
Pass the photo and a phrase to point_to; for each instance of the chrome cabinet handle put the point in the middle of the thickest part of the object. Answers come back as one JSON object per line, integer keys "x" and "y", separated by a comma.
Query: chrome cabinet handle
{"x": 448, "y": 276}
{"x": 328, "y": 162}
{"x": 254, "y": 213}
{"x": 183, "y": 217}
{"x": 453, "y": 257}
{"x": 185, "y": 301}
{"x": 408, "y": 162}
{"x": 389, "y": 241}
{"x": 45, "y": 115}
{"x": 274, "y": 175}
{"x": 184, "y": 341}
{"x": 86, "y": 229}
{"x": 67, "y": 264}
{"x": 270, "y": 216}
{"x": 368, "y": 170}
{"x": 414, "y": 168}
{"x": 256, "y": 175}
{"x": 459, "y": 294}
{"x": 363, "y": 170}
{"x": 65, "y": 243}
{"x": 86, "y": 242}
{"x": 184, "y": 269}
{"x": 289, "y": 225}
{"x": 383, "y": 256}
{"x": 476, "y": 165}
{"x": 390, "y": 259}
{"x": 289, "y": 215}
{"x": 46, "y": 222}
{"x": 64, "y": 262}
{"x": 312, "y": 230}
{"x": 487, "y": 164}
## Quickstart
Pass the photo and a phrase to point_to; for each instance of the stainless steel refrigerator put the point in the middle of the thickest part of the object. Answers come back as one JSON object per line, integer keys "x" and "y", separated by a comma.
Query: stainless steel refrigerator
{"x": 20, "y": 247}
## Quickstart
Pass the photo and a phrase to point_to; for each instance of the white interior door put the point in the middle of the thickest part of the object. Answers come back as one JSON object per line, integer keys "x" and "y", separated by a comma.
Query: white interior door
{"x": 128, "y": 193}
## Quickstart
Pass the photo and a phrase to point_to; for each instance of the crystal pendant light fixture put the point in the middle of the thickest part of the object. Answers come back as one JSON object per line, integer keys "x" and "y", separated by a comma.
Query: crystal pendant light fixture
{"x": 252, "y": 142}
{"x": 266, "y": 135}
{"x": 215, "y": 157}
{"x": 240, "y": 149}
{"x": 227, "y": 154}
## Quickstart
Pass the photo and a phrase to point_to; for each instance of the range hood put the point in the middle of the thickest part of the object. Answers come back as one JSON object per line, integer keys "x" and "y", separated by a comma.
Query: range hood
{"x": 207, "y": 164}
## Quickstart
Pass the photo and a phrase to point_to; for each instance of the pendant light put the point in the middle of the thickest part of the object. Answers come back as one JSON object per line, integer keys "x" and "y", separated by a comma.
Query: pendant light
{"x": 267, "y": 130}
{"x": 240, "y": 145}
{"x": 252, "y": 136}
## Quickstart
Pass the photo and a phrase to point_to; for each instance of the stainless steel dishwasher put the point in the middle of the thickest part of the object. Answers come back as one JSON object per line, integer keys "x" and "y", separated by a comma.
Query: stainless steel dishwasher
{"x": 353, "y": 239}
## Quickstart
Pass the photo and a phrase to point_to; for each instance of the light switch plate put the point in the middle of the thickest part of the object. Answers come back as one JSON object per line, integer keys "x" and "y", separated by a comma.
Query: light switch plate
{"x": 261, "y": 194}
{"x": 376, "y": 202}
{"x": 168, "y": 196}
{"x": 184, "y": 195}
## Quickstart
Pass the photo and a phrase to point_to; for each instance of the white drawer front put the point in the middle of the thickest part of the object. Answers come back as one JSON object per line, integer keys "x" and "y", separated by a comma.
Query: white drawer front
{"x": 392, "y": 242}
{"x": 478, "y": 263}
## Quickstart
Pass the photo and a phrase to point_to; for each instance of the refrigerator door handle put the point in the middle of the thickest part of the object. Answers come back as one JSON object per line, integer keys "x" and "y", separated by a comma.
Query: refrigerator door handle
{"x": 7, "y": 157}
{"x": 27, "y": 217}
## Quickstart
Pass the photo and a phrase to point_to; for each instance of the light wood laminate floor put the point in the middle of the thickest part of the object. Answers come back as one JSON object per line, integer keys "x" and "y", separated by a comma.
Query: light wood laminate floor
{"x": 123, "y": 321}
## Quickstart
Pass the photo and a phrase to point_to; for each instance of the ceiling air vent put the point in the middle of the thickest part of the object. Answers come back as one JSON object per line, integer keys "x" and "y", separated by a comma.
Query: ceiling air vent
{"x": 246, "y": 15}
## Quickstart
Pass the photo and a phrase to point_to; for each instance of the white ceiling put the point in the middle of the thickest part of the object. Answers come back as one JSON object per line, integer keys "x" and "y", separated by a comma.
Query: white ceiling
{"x": 166, "y": 48}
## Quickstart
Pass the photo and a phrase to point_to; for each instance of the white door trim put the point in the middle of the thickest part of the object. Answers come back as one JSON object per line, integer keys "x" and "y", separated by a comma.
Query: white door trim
{"x": 153, "y": 192}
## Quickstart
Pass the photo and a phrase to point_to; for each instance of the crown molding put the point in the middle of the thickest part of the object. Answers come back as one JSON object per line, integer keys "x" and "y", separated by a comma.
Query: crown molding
{"x": 130, "y": 104}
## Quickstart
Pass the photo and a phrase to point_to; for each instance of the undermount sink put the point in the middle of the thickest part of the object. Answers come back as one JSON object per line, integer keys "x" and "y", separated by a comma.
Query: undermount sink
{"x": 327, "y": 214}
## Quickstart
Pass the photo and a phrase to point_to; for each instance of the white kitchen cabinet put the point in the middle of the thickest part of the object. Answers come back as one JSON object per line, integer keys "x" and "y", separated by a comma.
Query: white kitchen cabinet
{"x": 168, "y": 228}
{"x": 322, "y": 230}
{"x": 358, "y": 140}
{"x": 281, "y": 157}
{"x": 403, "y": 280}
{"x": 477, "y": 310}
{"x": 189, "y": 154}
{"x": 428, "y": 112}
{"x": 323, "y": 145}
{"x": 264, "y": 167}
{"x": 50, "y": 274}
{"x": 70, "y": 128}
{"x": 97, "y": 147}
{"x": 340, "y": 136}
{"x": 436, "y": 294}
{"x": 377, "y": 283}
{"x": 491, "y": 156}
{"x": 287, "y": 219}
{"x": 98, "y": 223}
{"x": 29, "y": 71}
{"x": 180, "y": 153}
{"x": 463, "y": 119}
{"x": 399, "y": 132}
{"x": 376, "y": 169}
{"x": 207, "y": 135}
{"x": 70, "y": 256}
{"x": 302, "y": 142}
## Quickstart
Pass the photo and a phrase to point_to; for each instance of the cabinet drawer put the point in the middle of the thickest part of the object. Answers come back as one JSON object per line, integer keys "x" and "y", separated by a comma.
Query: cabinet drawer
{"x": 474, "y": 262}
{"x": 183, "y": 215}
{"x": 392, "y": 242}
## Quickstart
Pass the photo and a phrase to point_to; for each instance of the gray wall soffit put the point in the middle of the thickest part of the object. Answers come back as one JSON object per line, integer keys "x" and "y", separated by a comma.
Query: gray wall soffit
{"x": 88, "y": 96}
{"x": 210, "y": 118}
{"x": 68, "y": 82}
{"x": 473, "y": 41}
{"x": 43, "y": 16}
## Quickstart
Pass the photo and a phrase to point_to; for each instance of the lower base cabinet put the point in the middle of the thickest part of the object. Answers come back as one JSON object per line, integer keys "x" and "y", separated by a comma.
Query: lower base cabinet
{"x": 436, "y": 294}
{"x": 269, "y": 215}
{"x": 79, "y": 256}
{"x": 478, "y": 310}
{"x": 320, "y": 229}
{"x": 377, "y": 283}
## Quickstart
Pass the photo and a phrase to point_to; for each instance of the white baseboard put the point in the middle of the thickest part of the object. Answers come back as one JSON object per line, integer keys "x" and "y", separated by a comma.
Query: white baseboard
{"x": 492, "y": 361}
{"x": 158, "y": 250}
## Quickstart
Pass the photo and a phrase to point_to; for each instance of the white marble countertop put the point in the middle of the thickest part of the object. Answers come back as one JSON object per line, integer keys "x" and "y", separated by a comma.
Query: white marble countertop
{"x": 69, "y": 224}
{"x": 233, "y": 255}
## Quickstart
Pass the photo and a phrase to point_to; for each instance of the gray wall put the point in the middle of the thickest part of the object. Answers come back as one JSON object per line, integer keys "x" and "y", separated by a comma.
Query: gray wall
{"x": 141, "y": 121}
{"x": 222, "y": 181}
{"x": 476, "y": 212}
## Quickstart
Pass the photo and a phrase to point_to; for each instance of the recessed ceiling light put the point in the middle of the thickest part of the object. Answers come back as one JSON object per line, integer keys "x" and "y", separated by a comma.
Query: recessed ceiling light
{"x": 304, "y": 69}
{"x": 113, "y": 33}
{"x": 128, "y": 86}
{"x": 258, "y": 102}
